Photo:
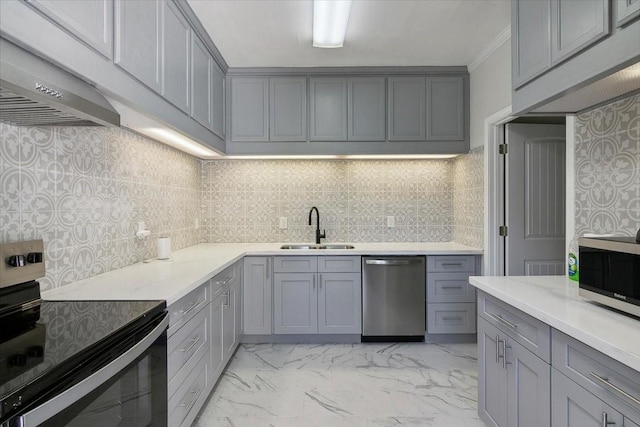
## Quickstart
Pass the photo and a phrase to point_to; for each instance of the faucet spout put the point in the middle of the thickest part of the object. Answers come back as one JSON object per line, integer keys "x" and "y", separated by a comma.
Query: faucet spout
{"x": 318, "y": 234}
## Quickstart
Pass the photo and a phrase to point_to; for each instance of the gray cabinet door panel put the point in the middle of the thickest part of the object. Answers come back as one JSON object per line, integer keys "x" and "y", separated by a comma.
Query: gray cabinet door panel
{"x": 175, "y": 57}
{"x": 217, "y": 101}
{"x": 528, "y": 387}
{"x": 90, "y": 21}
{"x": 445, "y": 108}
{"x": 492, "y": 378}
{"x": 406, "y": 108}
{"x": 575, "y": 25}
{"x": 573, "y": 406}
{"x": 530, "y": 39}
{"x": 217, "y": 346}
{"x": 366, "y": 109}
{"x": 295, "y": 303}
{"x": 451, "y": 318}
{"x": 339, "y": 303}
{"x": 201, "y": 63}
{"x": 250, "y": 109}
{"x": 627, "y": 11}
{"x": 256, "y": 295}
{"x": 229, "y": 326}
{"x": 137, "y": 35}
{"x": 288, "y": 109}
{"x": 328, "y": 109}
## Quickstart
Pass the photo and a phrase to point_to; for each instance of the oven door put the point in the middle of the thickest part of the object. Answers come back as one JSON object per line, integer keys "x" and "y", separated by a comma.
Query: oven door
{"x": 130, "y": 390}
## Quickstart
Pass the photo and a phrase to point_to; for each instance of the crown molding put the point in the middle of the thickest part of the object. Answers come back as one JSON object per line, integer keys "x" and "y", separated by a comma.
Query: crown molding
{"x": 495, "y": 44}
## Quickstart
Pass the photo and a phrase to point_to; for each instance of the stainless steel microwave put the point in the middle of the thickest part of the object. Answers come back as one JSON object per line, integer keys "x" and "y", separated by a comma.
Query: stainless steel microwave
{"x": 610, "y": 272}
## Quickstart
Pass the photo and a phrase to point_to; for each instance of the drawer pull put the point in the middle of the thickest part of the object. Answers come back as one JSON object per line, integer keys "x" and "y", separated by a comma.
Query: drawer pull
{"x": 224, "y": 282}
{"x": 605, "y": 420}
{"x": 192, "y": 400}
{"x": 606, "y": 382}
{"x": 192, "y": 306}
{"x": 451, "y": 264}
{"x": 452, "y": 318}
{"x": 498, "y": 356}
{"x": 451, "y": 287}
{"x": 193, "y": 343}
{"x": 502, "y": 320}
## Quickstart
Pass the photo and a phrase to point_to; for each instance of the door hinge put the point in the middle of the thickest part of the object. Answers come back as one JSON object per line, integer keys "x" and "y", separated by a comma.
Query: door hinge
{"x": 502, "y": 149}
{"x": 503, "y": 231}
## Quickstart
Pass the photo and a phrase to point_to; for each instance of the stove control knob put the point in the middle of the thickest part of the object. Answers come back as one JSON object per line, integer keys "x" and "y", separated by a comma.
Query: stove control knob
{"x": 16, "y": 260}
{"x": 34, "y": 257}
{"x": 18, "y": 360}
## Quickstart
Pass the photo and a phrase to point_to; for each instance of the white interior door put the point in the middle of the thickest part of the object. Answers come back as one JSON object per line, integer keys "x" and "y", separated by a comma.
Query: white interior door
{"x": 535, "y": 199}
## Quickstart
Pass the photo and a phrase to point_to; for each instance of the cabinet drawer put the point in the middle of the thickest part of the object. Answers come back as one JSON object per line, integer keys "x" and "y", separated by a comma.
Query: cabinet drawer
{"x": 528, "y": 331}
{"x": 614, "y": 383}
{"x": 184, "y": 347}
{"x": 449, "y": 287}
{"x": 453, "y": 263}
{"x": 339, "y": 264}
{"x": 188, "y": 306}
{"x": 451, "y": 318}
{"x": 295, "y": 264}
{"x": 228, "y": 276}
{"x": 185, "y": 404}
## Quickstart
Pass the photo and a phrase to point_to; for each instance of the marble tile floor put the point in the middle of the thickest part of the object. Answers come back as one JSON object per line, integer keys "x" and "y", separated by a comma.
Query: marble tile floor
{"x": 346, "y": 385}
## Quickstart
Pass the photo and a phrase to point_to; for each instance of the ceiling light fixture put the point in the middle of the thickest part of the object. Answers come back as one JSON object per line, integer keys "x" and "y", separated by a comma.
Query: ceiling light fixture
{"x": 330, "y": 19}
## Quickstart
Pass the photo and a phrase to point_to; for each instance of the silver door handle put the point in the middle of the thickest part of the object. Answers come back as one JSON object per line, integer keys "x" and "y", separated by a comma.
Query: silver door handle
{"x": 452, "y": 318}
{"x": 320, "y": 282}
{"x": 392, "y": 261}
{"x": 605, "y": 420}
{"x": 502, "y": 320}
{"x": 504, "y": 354}
{"x": 451, "y": 264}
{"x": 605, "y": 381}
{"x": 192, "y": 306}
{"x": 194, "y": 397}
{"x": 498, "y": 340}
{"x": 193, "y": 343}
{"x": 451, "y": 287}
{"x": 314, "y": 281}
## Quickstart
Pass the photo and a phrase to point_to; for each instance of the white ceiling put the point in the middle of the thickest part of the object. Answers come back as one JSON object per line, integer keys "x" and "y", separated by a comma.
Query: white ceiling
{"x": 277, "y": 33}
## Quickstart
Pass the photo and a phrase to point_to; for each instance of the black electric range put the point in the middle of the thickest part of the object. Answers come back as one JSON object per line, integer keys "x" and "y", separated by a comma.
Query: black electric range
{"x": 51, "y": 349}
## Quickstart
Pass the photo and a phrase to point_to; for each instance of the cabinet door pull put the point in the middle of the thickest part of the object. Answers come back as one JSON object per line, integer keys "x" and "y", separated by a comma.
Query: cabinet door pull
{"x": 605, "y": 420}
{"x": 268, "y": 262}
{"x": 452, "y": 318}
{"x": 193, "y": 343}
{"x": 320, "y": 281}
{"x": 451, "y": 287}
{"x": 228, "y": 299}
{"x": 451, "y": 264}
{"x": 192, "y": 306}
{"x": 504, "y": 354}
{"x": 314, "y": 281}
{"x": 498, "y": 340}
{"x": 194, "y": 397}
{"x": 605, "y": 381}
{"x": 502, "y": 320}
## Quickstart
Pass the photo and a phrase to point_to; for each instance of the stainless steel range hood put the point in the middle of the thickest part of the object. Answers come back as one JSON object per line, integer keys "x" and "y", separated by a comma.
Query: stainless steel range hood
{"x": 34, "y": 92}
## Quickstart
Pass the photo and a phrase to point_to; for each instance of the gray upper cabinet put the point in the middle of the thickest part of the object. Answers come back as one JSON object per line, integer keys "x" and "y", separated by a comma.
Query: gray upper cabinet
{"x": 137, "y": 37}
{"x": 175, "y": 56}
{"x": 217, "y": 101}
{"x": 90, "y": 21}
{"x": 530, "y": 39}
{"x": 328, "y": 108}
{"x": 445, "y": 108}
{"x": 406, "y": 108}
{"x": 627, "y": 11}
{"x": 250, "y": 109}
{"x": 201, "y": 64}
{"x": 288, "y": 109}
{"x": 366, "y": 109}
{"x": 576, "y": 25}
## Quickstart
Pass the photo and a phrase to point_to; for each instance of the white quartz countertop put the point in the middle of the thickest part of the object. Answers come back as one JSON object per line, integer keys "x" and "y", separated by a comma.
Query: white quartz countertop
{"x": 172, "y": 279}
{"x": 555, "y": 301}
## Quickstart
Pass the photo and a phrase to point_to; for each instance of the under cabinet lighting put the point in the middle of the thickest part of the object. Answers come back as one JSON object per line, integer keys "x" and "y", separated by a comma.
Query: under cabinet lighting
{"x": 346, "y": 157}
{"x": 178, "y": 141}
{"x": 330, "y": 19}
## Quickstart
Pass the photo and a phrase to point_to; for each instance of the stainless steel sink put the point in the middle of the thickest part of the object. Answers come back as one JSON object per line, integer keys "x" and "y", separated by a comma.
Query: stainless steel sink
{"x": 317, "y": 247}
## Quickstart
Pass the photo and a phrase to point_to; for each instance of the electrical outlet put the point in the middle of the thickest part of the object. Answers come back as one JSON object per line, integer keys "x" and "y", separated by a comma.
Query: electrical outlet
{"x": 283, "y": 222}
{"x": 391, "y": 221}
{"x": 196, "y": 223}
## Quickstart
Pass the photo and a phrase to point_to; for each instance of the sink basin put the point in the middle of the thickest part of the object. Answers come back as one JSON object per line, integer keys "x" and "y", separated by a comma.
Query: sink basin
{"x": 316, "y": 247}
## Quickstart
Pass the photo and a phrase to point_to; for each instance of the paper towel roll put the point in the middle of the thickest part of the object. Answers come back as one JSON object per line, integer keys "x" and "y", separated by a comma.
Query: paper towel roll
{"x": 164, "y": 248}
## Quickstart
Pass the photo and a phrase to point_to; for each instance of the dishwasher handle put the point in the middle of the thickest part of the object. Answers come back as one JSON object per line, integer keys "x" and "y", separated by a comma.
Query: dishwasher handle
{"x": 405, "y": 261}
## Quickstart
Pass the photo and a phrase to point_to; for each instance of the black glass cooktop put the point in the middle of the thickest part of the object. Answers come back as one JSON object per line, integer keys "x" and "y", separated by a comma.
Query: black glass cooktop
{"x": 65, "y": 330}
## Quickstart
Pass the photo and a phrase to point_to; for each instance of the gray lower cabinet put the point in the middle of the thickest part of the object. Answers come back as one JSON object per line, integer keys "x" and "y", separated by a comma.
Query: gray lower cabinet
{"x": 257, "y": 297}
{"x": 250, "y": 109}
{"x": 627, "y": 11}
{"x": 451, "y": 307}
{"x": 406, "y": 108}
{"x": 201, "y": 69}
{"x": 176, "y": 41}
{"x": 89, "y": 21}
{"x": 492, "y": 377}
{"x": 445, "y": 108}
{"x": 288, "y": 109}
{"x": 217, "y": 345}
{"x": 366, "y": 108}
{"x": 137, "y": 40}
{"x": 576, "y": 25}
{"x": 530, "y": 40}
{"x": 328, "y": 109}
{"x": 314, "y": 295}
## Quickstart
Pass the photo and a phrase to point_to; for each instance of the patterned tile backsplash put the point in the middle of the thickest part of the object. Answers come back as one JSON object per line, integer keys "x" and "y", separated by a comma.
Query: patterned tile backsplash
{"x": 244, "y": 200}
{"x": 468, "y": 199}
{"x": 83, "y": 191}
{"x": 607, "y": 169}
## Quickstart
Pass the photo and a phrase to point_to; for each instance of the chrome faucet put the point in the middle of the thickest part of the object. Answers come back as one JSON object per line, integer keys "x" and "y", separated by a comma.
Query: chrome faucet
{"x": 318, "y": 234}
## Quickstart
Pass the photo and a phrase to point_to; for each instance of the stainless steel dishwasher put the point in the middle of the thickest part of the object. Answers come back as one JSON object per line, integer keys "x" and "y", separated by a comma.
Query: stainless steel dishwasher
{"x": 393, "y": 298}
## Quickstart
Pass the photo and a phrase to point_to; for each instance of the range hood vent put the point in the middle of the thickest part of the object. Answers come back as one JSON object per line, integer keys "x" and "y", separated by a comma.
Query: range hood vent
{"x": 34, "y": 92}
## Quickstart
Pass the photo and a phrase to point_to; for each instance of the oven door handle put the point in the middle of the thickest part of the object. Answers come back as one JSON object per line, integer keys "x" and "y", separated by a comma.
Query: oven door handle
{"x": 59, "y": 403}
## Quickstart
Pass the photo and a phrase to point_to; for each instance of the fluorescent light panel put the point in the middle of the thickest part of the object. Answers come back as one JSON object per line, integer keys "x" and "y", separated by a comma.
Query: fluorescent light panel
{"x": 330, "y": 19}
